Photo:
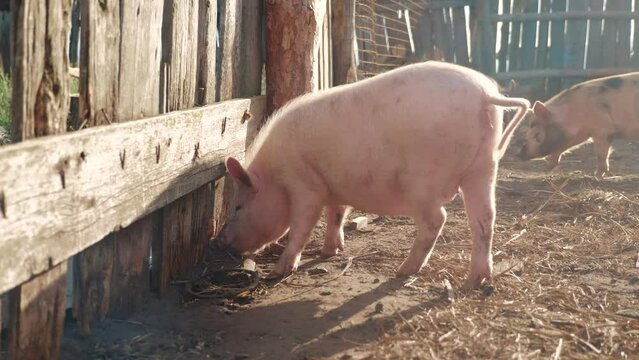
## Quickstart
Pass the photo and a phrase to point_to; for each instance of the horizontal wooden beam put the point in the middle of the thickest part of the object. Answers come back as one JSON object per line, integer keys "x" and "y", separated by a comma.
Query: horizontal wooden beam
{"x": 566, "y": 15}
{"x": 84, "y": 185}
{"x": 533, "y": 74}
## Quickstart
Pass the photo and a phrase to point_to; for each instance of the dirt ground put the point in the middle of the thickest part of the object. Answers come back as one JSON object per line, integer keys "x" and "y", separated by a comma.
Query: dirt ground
{"x": 566, "y": 286}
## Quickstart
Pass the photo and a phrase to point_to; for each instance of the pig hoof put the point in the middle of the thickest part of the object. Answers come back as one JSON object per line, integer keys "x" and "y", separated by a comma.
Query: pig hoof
{"x": 329, "y": 252}
{"x": 475, "y": 281}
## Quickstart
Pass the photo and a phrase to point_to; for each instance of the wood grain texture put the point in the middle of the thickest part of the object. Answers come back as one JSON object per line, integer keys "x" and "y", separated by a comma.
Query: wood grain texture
{"x": 40, "y": 78}
{"x": 207, "y": 52}
{"x": 138, "y": 97}
{"x": 100, "y": 180}
{"x": 40, "y": 103}
{"x": 251, "y": 60}
{"x": 37, "y": 321}
{"x": 99, "y": 62}
{"x": 292, "y": 30}
{"x": 180, "y": 57}
{"x": 230, "y": 32}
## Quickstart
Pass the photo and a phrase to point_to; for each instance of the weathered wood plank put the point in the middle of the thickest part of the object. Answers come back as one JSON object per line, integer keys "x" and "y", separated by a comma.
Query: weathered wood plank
{"x": 505, "y": 33}
{"x": 594, "y": 56}
{"x": 342, "y": 32}
{"x": 103, "y": 179}
{"x": 40, "y": 78}
{"x": 37, "y": 321}
{"x": 92, "y": 283}
{"x": 622, "y": 51}
{"x": 576, "y": 42}
{"x": 228, "y": 69}
{"x": 206, "y": 52}
{"x": 557, "y": 28}
{"x": 99, "y": 62}
{"x": 514, "y": 51}
{"x": 562, "y": 14}
{"x": 251, "y": 59}
{"x": 461, "y": 40}
{"x": 528, "y": 36}
{"x": 130, "y": 285}
{"x": 541, "y": 60}
{"x": 559, "y": 73}
{"x": 40, "y": 103}
{"x": 180, "y": 56}
{"x": 138, "y": 96}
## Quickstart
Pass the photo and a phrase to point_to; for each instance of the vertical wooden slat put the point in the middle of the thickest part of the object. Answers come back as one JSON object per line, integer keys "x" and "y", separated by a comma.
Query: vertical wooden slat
{"x": 575, "y": 47}
{"x": 439, "y": 34}
{"x": 557, "y": 45}
{"x": 342, "y": 32}
{"x": 489, "y": 37}
{"x": 39, "y": 105}
{"x": 594, "y": 57}
{"x": 461, "y": 40}
{"x": 203, "y": 198}
{"x": 207, "y": 50}
{"x": 514, "y": 51}
{"x": 528, "y": 36}
{"x": 228, "y": 69}
{"x": 622, "y": 51}
{"x": 541, "y": 60}
{"x": 173, "y": 252}
{"x": 37, "y": 310}
{"x": 250, "y": 60}
{"x": 93, "y": 272}
{"x": 99, "y": 68}
{"x": 138, "y": 97}
{"x": 505, "y": 37}
{"x": 609, "y": 37}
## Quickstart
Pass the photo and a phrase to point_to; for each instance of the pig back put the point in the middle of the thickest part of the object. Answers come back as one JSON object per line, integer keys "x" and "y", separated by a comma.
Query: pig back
{"x": 412, "y": 130}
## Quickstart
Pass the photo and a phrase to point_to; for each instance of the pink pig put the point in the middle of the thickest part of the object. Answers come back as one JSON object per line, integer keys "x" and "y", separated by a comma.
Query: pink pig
{"x": 603, "y": 110}
{"x": 401, "y": 143}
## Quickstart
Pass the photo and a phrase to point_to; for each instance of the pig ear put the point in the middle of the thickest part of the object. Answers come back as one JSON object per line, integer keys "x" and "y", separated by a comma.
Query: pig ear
{"x": 541, "y": 111}
{"x": 237, "y": 172}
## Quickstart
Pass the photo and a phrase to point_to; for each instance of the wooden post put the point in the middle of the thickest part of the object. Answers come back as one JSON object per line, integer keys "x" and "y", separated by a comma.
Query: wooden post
{"x": 292, "y": 36}
{"x": 173, "y": 252}
{"x": 113, "y": 275}
{"x": 40, "y": 103}
{"x": 343, "y": 30}
{"x": 98, "y": 102}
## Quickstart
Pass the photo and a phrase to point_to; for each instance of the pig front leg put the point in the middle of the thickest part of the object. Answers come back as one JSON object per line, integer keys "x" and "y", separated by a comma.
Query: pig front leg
{"x": 602, "y": 150}
{"x": 552, "y": 161}
{"x": 479, "y": 201}
{"x": 334, "y": 237}
{"x": 304, "y": 216}
{"x": 429, "y": 226}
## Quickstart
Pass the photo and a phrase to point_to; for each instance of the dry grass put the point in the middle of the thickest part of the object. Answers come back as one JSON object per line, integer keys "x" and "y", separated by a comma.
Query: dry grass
{"x": 566, "y": 285}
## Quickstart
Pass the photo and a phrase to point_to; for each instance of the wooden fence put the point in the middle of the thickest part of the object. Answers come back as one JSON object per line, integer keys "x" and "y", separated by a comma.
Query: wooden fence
{"x": 119, "y": 190}
{"x": 544, "y": 45}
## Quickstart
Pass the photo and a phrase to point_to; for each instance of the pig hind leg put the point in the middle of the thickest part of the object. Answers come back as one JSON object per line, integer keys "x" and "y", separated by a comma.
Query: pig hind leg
{"x": 478, "y": 190}
{"x": 602, "y": 150}
{"x": 334, "y": 237}
{"x": 304, "y": 217}
{"x": 429, "y": 226}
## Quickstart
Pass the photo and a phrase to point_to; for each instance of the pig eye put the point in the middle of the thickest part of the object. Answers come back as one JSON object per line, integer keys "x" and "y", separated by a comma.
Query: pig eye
{"x": 238, "y": 208}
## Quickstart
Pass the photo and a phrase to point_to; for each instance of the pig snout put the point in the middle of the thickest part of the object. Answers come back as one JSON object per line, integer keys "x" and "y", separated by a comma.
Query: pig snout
{"x": 222, "y": 240}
